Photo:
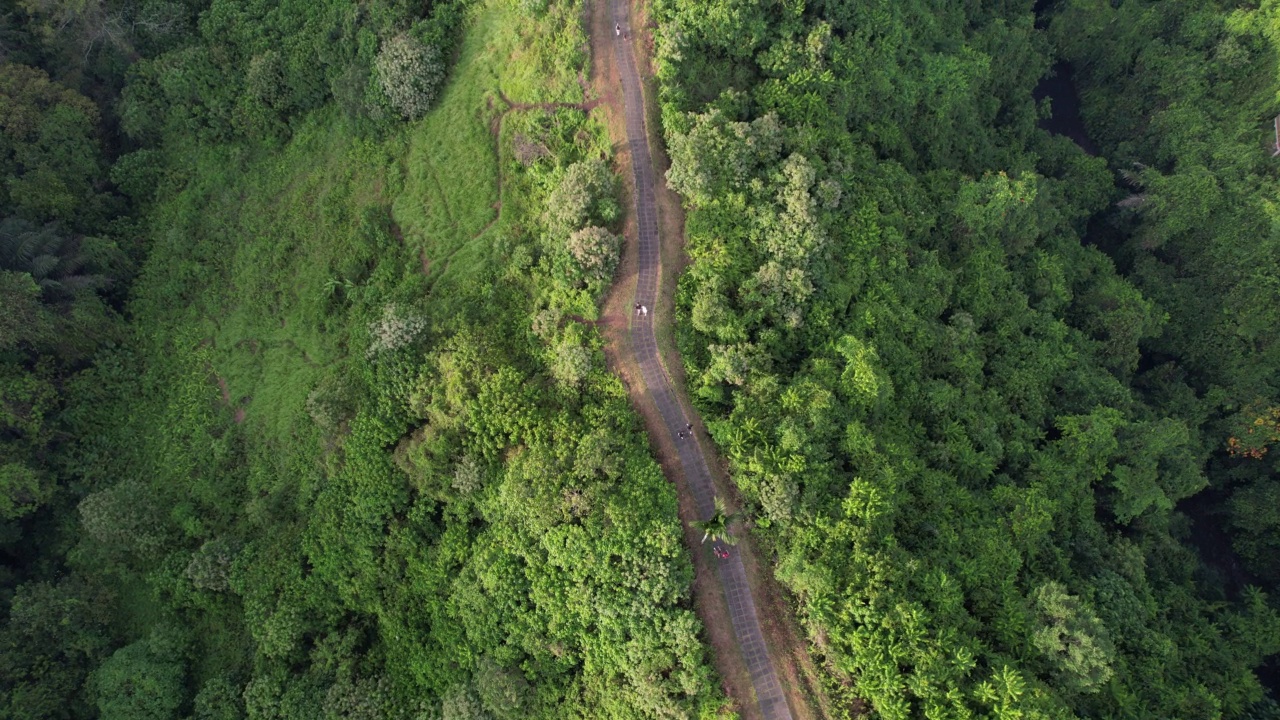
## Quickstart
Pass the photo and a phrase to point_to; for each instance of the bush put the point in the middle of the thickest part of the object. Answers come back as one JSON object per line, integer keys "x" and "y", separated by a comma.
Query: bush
{"x": 210, "y": 566}
{"x": 595, "y": 252}
{"x": 219, "y": 699}
{"x": 394, "y": 331}
{"x": 410, "y": 74}
{"x": 584, "y": 195}
{"x": 460, "y": 703}
{"x": 143, "y": 681}
{"x": 123, "y": 517}
{"x": 570, "y": 363}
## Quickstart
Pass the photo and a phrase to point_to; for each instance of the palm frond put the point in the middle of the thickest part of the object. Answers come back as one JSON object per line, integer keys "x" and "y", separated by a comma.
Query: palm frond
{"x": 43, "y": 266}
{"x": 90, "y": 281}
{"x": 21, "y": 243}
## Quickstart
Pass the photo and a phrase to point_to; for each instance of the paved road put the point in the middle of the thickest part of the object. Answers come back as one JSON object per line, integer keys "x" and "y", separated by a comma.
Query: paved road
{"x": 742, "y": 609}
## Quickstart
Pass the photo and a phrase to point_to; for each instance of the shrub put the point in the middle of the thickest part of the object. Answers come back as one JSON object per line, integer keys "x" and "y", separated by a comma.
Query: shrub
{"x": 143, "y": 681}
{"x": 395, "y": 330}
{"x": 123, "y": 517}
{"x": 570, "y": 364}
{"x": 460, "y": 703}
{"x": 210, "y": 566}
{"x": 585, "y": 194}
{"x": 410, "y": 74}
{"x": 219, "y": 699}
{"x": 547, "y": 323}
{"x": 595, "y": 251}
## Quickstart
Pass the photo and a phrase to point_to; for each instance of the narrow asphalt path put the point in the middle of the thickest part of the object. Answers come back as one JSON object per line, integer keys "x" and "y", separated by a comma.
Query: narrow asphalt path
{"x": 733, "y": 577}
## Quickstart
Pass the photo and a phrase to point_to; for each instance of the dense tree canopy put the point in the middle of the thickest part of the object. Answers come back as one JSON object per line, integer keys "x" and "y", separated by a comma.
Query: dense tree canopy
{"x": 303, "y": 413}
{"x": 959, "y": 405}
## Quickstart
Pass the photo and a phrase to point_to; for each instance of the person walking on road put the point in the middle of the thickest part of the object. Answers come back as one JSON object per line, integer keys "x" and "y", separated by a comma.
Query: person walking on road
{"x": 617, "y": 30}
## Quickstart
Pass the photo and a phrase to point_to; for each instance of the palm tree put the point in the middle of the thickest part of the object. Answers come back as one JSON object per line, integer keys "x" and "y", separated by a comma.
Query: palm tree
{"x": 716, "y": 527}
{"x": 54, "y": 262}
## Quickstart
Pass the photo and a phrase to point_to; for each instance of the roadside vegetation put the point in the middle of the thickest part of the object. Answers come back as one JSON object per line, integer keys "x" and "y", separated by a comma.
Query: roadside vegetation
{"x": 1001, "y": 409}
{"x": 304, "y": 412}
{"x": 301, "y": 411}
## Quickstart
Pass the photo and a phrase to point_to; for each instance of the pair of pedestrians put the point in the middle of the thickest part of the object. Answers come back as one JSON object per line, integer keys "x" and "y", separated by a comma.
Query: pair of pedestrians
{"x": 641, "y": 310}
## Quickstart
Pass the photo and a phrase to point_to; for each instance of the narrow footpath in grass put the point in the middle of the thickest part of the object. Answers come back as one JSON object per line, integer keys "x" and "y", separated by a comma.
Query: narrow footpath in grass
{"x": 766, "y": 669}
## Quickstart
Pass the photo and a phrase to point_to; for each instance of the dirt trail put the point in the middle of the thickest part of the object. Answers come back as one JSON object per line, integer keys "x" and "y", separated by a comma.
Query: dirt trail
{"x": 238, "y": 413}
{"x": 758, "y": 650}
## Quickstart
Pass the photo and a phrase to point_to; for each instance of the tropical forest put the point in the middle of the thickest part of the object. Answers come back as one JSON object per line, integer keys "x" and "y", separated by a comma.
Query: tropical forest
{"x": 630, "y": 359}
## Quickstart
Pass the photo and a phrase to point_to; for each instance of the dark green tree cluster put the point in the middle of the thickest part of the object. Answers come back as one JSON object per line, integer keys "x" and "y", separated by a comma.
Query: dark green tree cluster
{"x": 933, "y": 389}
{"x": 250, "y": 69}
{"x": 63, "y": 263}
{"x": 1182, "y": 99}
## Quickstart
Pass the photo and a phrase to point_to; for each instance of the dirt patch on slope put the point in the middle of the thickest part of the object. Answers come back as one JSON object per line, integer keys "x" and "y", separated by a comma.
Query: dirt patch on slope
{"x": 238, "y": 412}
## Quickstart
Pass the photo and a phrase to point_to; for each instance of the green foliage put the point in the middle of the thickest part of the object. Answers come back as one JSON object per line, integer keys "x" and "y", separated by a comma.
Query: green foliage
{"x": 143, "y": 680}
{"x": 410, "y": 74}
{"x": 328, "y": 444}
{"x": 584, "y": 195}
{"x": 716, "y": 155}
{"x": 934, "y": 395}
{"x": 1072, "y": 638}
{"x": 275, "y": 64}
{"x": 219, "y": 699}
{"x": 1191, "y": 136}
{"x": 49, "y": 152}
{"x": 55, "y": 635}
{"x": 22, "y": 490}
{"x": 716, "y": 527}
